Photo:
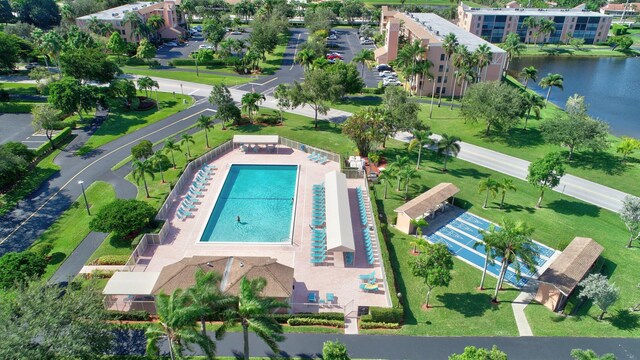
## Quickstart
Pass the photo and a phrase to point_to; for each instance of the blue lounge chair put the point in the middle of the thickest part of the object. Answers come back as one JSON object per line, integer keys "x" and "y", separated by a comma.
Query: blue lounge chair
{"x": 194, "y": 192}
{"x": 330, "y": 298}
{"x": 186, "y": 205}
{"x": 183, "y": 212}
{"x": 192, "y": 199}
{"x": 209, "y": 167}
{"x": 367, "y": 277}
{"x": 197, "y": 186}
{"x": 312, "y": 297}
{"x": 313, "y": 157}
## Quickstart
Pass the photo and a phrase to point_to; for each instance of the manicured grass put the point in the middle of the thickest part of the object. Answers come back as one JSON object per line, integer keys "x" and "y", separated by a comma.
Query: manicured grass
{"x": 18, "y": 106}
{"x": 19, "y": 88}
{"x": 208, "y": 79}
{"x": 568, "y": 50}
{"x": 220, "y": 69}
{"x": 122, "y": 121}
{"x": 73, "y": 225}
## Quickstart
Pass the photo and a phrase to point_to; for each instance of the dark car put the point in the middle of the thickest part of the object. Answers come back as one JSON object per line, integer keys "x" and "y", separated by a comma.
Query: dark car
{"x": 384, "y": 67}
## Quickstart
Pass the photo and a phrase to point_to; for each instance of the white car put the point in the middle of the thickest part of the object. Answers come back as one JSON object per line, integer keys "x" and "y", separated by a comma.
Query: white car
{"x": 332, "y": 37}
{"x": 391, "y": 82}
{"x": 387, "y": 73}
{"x": 367, "y": 42}
{"x": 236, "y": 32}
{"x": 171, "y": 44}
{"x": 203, "y": 46}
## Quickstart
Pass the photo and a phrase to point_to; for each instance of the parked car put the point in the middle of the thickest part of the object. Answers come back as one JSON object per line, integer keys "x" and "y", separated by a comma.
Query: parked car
{"x": 367, "y": 42}
{"x": 334, "y": 56}
{"x": 31, "y": 65}
{"x": 197, "y": 27}
{"x": 236, "y": 32}
{"x": 384, "y": 67}
{"x": 391, "y": 81}
{"x": 170, "y": 44}
{"x": 332, "y": 37}
{"x": 387, "y": 73}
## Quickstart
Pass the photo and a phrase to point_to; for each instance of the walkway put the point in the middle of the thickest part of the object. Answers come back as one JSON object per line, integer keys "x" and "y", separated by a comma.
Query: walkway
{"x": 520, "y": 303}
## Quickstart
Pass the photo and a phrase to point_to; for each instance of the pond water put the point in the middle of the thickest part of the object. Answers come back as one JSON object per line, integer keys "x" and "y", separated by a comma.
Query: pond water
{"x": 611, "y": 87}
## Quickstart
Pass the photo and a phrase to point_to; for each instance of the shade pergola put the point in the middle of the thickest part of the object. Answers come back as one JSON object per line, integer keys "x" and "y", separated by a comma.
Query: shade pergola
{"x": 256, "y": 139}
{"x": 131, "y": 283}
{"x": 423, "y": 205}
{"x": 339, "y": 227}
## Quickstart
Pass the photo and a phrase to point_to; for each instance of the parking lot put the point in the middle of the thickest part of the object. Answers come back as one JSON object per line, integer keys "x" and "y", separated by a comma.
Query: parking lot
{"x": 348, "y": 44}
{"x": 17, "y": 127}
{"x": 166, "y": 53}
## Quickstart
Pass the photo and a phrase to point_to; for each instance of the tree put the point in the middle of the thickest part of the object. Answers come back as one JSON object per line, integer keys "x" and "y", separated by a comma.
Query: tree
{"x": 319, "y": 18}
{"x": 489, "y": 186}
{"x": 186, "y": 139}
{"x": 89, "y": 65}
{"x": 407, "y": 174}
{"x": 43, "y": 321}
{"x": 147, "y": 84}
{"x": 139, "y": 30}
{"x": 16, "y": 268}
{"x": 630, "y": 215}
{"x": 531, "y": 102}
{"x": 531, "y": 23}
{"x": 597, "y": 289}
{"x": 419, "y": 224}
{"x": 318, "y": 88}
{"x": 254, "y": 312}
{"x": 529, "y": 73}
{"x": 483, "y": 56}
{"x": 473, "y": 353}
{"x": 448, "y": 146}
{"x": 546, "y": 28}
{"x": 305, "y": 57}
{"x": 497, "y": 104}
{"x": 513, "y": 47}
{"x": 250, "y": 102}
{"x": 214, "y": 31}
{"x": 139, "y": 171}
{"x": 170, "y": 146}
{"x": 408, "y": 57}
{"x": 627, "y": 147}
{"x": 334, "y": 350}
{"x": 159, "y": 161}
{"x": 124, "y": 89}
{"x": 12, "y": 168}
{"x": 41, "y": 13}
{"x": 117, "y": 45}
{"x": 46, "y": 118}
{"x": 401, "y": 114}
{"x": 449, "y": 44}
{"x": 490, "y": 238}
{"x": 363, "y": 57}
{"x": 575, "y": 129}
{"x": 123, "y": 217}
{"x": 142, "y": 150}
{"x": 362, "y": 129}
{"x": 5, "y": 12}
{"x": 281, "y": 94}
{"x": 434, "y": 267}
{"x": 545, "y": 173}
{"x": 145, "y": 50}
{"x": 576, "y": 42}
{"x": 347, "y": 75}
{"x": 19, "y": 149}
{"x": 621, "y": 42}
{"x": 220, "y": 97}
{"x": 205, "y": 296}
{"x": 9, "y": 49}
{"x": 420, "y": 139}
{"x": 550, "y": 81}
{"x": 176, "y": 325}
{"x": 205, "y": 123}
{"x": 155, "y": 22}
{"x": 69, "y": 96}
{"x": 506, "y": 185}
{"x": 579, "y": 354}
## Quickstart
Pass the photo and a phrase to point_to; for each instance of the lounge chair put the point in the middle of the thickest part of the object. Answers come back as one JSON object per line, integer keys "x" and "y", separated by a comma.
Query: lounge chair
{"x": 312, "y": 297}
{"x": 330, "y": 298}
{"x": 192, "y": 199}
{"x": 187, "y": 205}
{"x": 183, "y": 212}
{"x": 313, "y": 155}
{"x": 194, "y": 192}
{"x": 369, "y": 287}
{"x": 367, "y": 277}
{"x": 209, "y": 167}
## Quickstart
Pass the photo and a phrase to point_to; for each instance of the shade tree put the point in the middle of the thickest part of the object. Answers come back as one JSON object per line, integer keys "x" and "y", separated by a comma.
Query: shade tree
{"x": 363, "y": 129}
{"x": 142, "y": 150}
{"x": 46, "y": 118}
{"x": 318, "y": 89}
{"x": 545, "y": 173}
{"x": 401, "y": 114}
{"x": 220, "y": 97}
{"x": 123, "y": 217}
{"x": 19, "y": 267}
{"x": 496, "y": 104}
{"x": 630, "y": 215}
{"x": 433, "y": 267}
{"x": 474, "y": 353}
{"x": 597, "y": 288}
{"x": 69, "y": 96}
{"x": 89, "y": 64}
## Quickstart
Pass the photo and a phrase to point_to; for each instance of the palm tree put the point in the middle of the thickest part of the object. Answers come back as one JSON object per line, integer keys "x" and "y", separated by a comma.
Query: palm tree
{"x": 515, "y": 247}
{"x": 170, "y": 145}
{"x": 407, "y": 174}
{"x": 546, "y": 28}
{"x": 155, "y": 22}
{"x": 449, "y": 44}
{"x": 550, "y": 81}
{"x": 158, "y": 160}
{"x": 305, "y": 57}
{"x": 490, "y": 238}
{"x": 146, "y": 83}
{"x": 205, "y": 123}
{"x": 532, "y": 102}
{"x": 483, "y": 57}
{"x": 138, "y": 28}
{"x": 386, "y": 176}
{"x": 187, "y": 138}
{"x": 408, "y": 57}
{"x": 422, "y": 69}
{"x": 253, "y": 312}
{"x": 364, "y": 56}
{"x": 513, "y": 47}
{"x": 139, "y": 171}
{"x": 531, "y": 23}
{"x": 448, "y": 146}
{"x": 250, "y": 103}
{"x": 420, "y": 139}
{"x": 490, "y": 186}
{"x": 506, "y": 185}
{"x": 419, "y": 224}
{"x": 205, "y": 296}
{"x": 400, "y": 164}
{"x": 176, "y": 325}
{"x": 457, "y": 61}
{"x": 529, "y": 73}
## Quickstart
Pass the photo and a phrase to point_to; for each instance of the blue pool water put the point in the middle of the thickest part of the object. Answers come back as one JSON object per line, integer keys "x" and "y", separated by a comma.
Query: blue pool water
{"x": 262, "y": 196}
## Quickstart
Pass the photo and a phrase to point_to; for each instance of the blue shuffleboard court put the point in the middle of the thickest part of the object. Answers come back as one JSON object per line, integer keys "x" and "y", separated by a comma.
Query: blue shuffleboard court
{"x": 462, "y": 236}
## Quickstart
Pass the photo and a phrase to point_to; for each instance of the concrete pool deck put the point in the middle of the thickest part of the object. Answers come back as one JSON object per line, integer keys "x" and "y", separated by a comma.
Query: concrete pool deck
{"x": 331, "y": 277}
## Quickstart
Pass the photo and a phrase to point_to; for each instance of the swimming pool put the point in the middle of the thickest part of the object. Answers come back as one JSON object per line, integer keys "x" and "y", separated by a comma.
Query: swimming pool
{"x": 255, "y": 205}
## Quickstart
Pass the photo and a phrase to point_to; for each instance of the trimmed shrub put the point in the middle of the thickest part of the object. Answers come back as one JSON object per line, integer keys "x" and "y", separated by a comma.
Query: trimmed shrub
{"x": 334, "y": 350}
{"x": 315, "y": 322}
{"x": 136, "y": 315}
{"x": 42, "y": 249}
{"x": 111, "y": 260}
{"x": 192, "y": 62}
{"x": 283, "y": 318}
{"x": 58, "y": 139}
{"x": 379, "y": 325}
{"x": 384, "y": 315}
{"x": 123, "y": 217}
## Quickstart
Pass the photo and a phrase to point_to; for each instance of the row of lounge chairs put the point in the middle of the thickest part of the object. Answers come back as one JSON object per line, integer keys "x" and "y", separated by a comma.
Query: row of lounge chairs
{"x": 368, "y": 246}
{"x": 318, "y": 236}
{"x": 318, "y": 157}
{"x": 361, "y": 206}
{"x": 318, "y": 246}
{"x": 190, "y": 201}
{"x": 319, "y": 212}
{"x": 313, "y": 298}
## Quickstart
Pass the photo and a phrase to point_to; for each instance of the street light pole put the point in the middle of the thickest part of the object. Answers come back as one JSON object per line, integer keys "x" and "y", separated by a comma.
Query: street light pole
{"x": 181, "y": 90}
{"x": 84, "y": 195}
{"x": 197, "y": 72}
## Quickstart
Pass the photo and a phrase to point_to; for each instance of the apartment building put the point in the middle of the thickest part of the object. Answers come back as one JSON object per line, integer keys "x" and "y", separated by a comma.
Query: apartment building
{"x": 627, "y": 9}
{"x": 494, "y": 24}
{"x": 115, "y": 16}
{"x": 431, "y": 29}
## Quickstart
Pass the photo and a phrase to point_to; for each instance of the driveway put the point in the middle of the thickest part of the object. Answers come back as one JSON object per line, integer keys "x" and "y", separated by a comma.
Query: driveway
{"x": 17, "y": 127}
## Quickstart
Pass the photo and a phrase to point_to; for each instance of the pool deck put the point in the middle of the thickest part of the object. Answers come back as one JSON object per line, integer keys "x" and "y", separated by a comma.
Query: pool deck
{"x": 331, "y": 277}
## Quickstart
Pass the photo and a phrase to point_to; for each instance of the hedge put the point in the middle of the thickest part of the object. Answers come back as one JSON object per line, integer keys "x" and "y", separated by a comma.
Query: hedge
{"x": 379, "y": 325}
{"x": 192, "y": 62}
{"x": 111, "y": 260}
{"x": 57, "y": 139}
{"x": 384, "y": 315}
{"x": 283, "y": 318}
{"x": 315, "y": 322}
{"x": 135, "y": 315}
{"x": 16, "y": 107}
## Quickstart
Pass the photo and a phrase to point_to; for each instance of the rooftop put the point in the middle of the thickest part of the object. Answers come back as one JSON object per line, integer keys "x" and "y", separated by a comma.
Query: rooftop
{"x": 577, "y": 11}
{"x": 440, "y": 27}
{"x": 619, "y": 7}
{"x": 428, "y": 201}
{"x": 117, "y": 13}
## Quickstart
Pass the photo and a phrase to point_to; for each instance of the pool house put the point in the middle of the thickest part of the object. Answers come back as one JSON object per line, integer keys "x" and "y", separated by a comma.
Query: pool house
{"x": 425, "y": 205}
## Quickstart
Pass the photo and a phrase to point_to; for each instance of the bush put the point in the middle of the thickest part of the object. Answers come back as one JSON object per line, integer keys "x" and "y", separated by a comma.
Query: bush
{"x": 12, "y": 168}
{"x": 42, "y": 249}
{"x": 192, "y": 62}
{"x": 283, "y": 318}
{"x": 269, "y": 119}
{"x": 315, "y": 322}
{"x": 17, "y": 267}
{"x": 334, "y": 350}
{"x": 135, "y": 315}
{"x": 111, "y": 260}
{"x": 4, "y": 95}
{"x": 21, "y": 150}
{"x": 385, "y": 315}
{"x": 378, "y": 325}
{"x": 134, "y": 61}
{"x": 58, "y": 139}
{"x": 99, "y": 274}
{"x": 123, "y": 217}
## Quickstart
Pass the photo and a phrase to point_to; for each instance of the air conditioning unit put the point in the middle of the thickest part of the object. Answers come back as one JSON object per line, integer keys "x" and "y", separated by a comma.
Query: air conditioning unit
{"x": 114, "y": 14}
{"x": 437, "y": 32}
{"x": 135, "y": 8}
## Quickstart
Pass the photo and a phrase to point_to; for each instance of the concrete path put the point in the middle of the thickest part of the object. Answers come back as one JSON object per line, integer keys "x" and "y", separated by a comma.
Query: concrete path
{"x": 520, "y": 303}
{"x": 76, "y": 260}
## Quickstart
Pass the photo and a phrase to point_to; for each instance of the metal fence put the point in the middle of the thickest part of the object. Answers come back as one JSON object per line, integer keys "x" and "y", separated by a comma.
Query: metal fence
{"x": 309, "y": 149}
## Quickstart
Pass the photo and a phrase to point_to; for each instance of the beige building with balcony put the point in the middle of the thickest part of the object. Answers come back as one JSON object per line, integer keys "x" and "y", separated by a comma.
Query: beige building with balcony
{"x": 115, "y": 16}
{"x": 431, "y": 29}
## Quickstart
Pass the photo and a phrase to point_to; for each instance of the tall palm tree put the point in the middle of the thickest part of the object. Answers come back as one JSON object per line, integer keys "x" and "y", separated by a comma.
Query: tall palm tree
{"x": 529, "y": 73}
{"x": 176, "y": 325}
{"x": 459, "y": 60}
{"x": 546, "y": 28}
{"x": 147, "y": 84}
{"x": 401, "y": 163}
{"x": 171, "y": 145}
{"x": 490, "y": 238}
{"x": 386, "y": 176}
{"x": 140, "y": 169}
{"x": 515, "y": 247}
{"x": 205, "y": 296}
{"x": 407, "y": 174}
{"x": 158, "y": 161}
{"x": 531, "y": 23}
{"x": 506, "y": 185}
{"x": 253, "y": 312}
{"x": 205, "y": 123}
{"x": 448, "y": 146}
{"x": 305, "y": 57}
{"x": 155, "y": 22}
{"x": 420, "y": 139}
{"x": 490, "y": 186}
{"x": 483, "y": 57}
{"x": 423, "y": 70}
{"x": 532, "y": 102}
{"x": 138, "y": 28}
{"x": 186, "y": 139}
{"x": 363, "y": 57}
{"x": 250, "y": 103}
{"x": 449, "y": 44}
{"x": 408, "y": 57}
{"x": 513, "y": 47}
{"x": 550, "y": 81}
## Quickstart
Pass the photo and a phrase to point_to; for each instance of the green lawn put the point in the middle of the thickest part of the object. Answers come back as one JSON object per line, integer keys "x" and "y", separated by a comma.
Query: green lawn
{"x": 19, "y": 88}
{"x": 568, "y": 50}
{"x": 209, "y": 79}
{"x": 18, "y": 106}
{"x": 73, "y": 225}
{"x": 122, "y": 121}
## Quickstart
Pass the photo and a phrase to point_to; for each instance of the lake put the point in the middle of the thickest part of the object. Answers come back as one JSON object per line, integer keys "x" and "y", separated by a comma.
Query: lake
{"x": 611, "y": 87}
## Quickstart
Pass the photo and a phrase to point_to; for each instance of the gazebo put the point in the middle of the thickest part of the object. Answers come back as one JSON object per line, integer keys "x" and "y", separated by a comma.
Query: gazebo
{"x": 426, "y": 204}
